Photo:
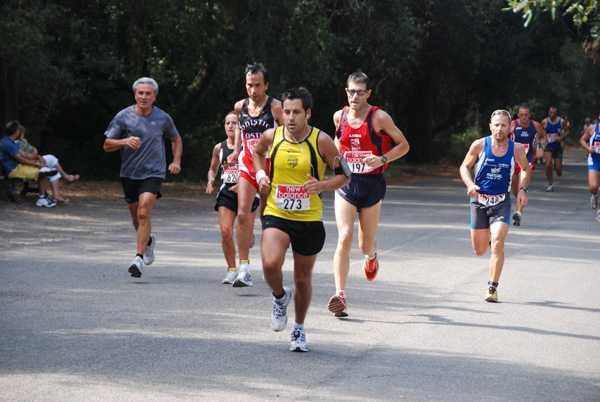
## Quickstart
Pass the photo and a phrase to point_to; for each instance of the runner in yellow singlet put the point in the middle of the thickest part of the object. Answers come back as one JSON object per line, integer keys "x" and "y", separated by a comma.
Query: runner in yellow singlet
{"x": 299, "y": 155}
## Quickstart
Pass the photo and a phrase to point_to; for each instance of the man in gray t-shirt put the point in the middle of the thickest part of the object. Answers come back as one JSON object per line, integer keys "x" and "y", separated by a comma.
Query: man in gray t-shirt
{"x": 139, "y": 132}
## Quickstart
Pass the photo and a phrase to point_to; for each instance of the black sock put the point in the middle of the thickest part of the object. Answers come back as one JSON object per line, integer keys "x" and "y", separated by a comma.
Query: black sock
{"x": 493, "y": 284}
{"x": 150, "y": 241}
{"x": 280, "y": 296}
{"x": 140, "y": 255}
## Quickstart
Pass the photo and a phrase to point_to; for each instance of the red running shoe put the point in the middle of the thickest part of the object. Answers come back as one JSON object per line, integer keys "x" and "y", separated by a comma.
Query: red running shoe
{"x": 371, "y": 267}
{"x": 337, "y": 305}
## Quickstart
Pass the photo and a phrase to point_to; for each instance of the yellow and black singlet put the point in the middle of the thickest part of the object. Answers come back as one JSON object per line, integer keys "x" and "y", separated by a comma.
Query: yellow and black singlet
{"x": 290, "y": 164}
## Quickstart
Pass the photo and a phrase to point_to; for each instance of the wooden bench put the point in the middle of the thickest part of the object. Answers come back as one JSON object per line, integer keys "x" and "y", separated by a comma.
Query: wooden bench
{"x": 8, "y": 186}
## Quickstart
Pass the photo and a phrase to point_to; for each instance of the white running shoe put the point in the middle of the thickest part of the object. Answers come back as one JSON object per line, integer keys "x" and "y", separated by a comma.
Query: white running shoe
{"x": 230, "y": 278}
{"x": 149, "y": 251}
{"x": 550, "y": 188}
{"x": 298, "y": 341}
{"x": 45, "y": 202}
{"x": 135, "y": 269}
{"x": 594, "y": 201}
{"x": 279, "y": 314}
{"x": 242, "y": 279}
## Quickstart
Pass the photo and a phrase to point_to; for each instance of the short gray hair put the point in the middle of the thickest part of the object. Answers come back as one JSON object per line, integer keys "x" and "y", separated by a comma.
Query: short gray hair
{"x": 145, "y": 80}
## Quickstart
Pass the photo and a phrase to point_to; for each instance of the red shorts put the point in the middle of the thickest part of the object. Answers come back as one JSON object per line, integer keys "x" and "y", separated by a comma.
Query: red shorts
{"x": 518, "y": 168}
{"x": 249, "y": 174}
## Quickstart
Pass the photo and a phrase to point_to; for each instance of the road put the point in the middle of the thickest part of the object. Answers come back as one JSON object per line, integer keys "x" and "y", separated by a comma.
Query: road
{"x": 75, "y": 326}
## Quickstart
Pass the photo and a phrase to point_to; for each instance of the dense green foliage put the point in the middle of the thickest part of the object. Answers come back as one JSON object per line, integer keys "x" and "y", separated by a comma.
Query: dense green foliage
{"x": 583, "y": 16}
{"x": 439, "y": 67}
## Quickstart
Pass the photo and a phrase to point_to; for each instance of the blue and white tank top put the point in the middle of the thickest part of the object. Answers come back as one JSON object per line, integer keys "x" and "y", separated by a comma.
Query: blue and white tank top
{"x": 594, "y": 142}
{"x": 525, "y": 136}
{"x": 553, "y": 132}
{"x": 493, "y": 174}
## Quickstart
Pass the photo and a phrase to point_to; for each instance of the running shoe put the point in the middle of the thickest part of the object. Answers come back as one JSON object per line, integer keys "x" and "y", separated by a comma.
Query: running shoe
{"x": 243, "y": 279}
{"x": 337, "y": 305}
{"x": 135, "y": 269}
{"x": 298, "y": 341}
{"x": 550, "y": 188}
{"x": 491, "y": 295}
{"x": 371, "y": 267}
{"x": 594, "y": 201}
{"x": 279, "y": 314}
{"x": 45, "y": 202}
{"x": 230, "y": 277}
{"x": 517, "y": 218}
{"x": 149, "y": 251}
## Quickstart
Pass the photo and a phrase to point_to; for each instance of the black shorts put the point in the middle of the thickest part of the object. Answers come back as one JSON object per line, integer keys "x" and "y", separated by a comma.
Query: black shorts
{"x": 482, "y": 217}
{"x": 133, "y": 188}
{"x": 229, "y": 199}
{"x": 307, "y": 238}
{"x": 557, "y": 153}
{"x": 364, "y": 190}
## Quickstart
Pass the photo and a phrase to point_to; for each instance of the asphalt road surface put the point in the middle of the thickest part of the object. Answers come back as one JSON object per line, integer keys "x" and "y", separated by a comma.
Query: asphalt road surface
{"x": 74, "y": 326}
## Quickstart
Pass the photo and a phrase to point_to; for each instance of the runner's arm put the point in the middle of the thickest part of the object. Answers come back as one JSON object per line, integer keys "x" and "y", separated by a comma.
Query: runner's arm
{"x": 541, "y": 137}
{"x": 465, "y": 168}
{"x": 584, "y": 140}
{"x": 112, "y": 144}
{"x": 336, "y": 122}
{"x": 259, "y": 160}
{"x": 331, "y": 155}
{"x": 177, "y": 148}
{"x": 566, "y": 128}
{"x": 214, "y": 167}
{"x": 382, "y": 122}
{"x": 277, "y": 112}
{"x": 237, "y": 136}
{"x": 525, "y": 175}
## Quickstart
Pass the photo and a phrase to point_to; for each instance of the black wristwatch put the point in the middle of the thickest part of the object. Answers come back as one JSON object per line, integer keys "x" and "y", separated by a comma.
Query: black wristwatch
{"x": 383, "y": 159}
{"x": 523, "y": 188}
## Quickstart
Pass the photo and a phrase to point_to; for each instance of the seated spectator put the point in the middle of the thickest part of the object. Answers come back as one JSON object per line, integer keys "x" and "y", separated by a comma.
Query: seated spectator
{"x": 16, "y": 165}
{"x": 30, "y": 152}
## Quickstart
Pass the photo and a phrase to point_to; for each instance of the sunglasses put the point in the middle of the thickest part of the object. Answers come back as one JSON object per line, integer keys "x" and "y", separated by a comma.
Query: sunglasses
{"x": 501, "y": 112}
{"x": 360, "y": 92}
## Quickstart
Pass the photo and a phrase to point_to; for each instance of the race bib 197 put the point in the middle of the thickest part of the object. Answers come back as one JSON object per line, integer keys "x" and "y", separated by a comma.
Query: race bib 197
{"x": 356, "y": 162}
{"x": 291, "y": 198}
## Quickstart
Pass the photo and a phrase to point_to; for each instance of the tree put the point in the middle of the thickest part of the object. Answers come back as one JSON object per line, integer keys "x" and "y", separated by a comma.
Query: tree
{"x": 585, "y": 15}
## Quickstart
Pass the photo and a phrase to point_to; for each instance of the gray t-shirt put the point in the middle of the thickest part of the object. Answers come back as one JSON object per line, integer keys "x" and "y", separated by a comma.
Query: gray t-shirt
{"x": 149, "y": 159}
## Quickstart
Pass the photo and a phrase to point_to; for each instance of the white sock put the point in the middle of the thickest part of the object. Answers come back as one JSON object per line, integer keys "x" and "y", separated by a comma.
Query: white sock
{"x": 298, "y": 326}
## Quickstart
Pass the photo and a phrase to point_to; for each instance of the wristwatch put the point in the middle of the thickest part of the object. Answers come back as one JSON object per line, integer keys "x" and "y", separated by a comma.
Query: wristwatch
{"x": 37, "y": 164}
{"x": 523, "y": 188}
{"x": 383, "y": 159}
